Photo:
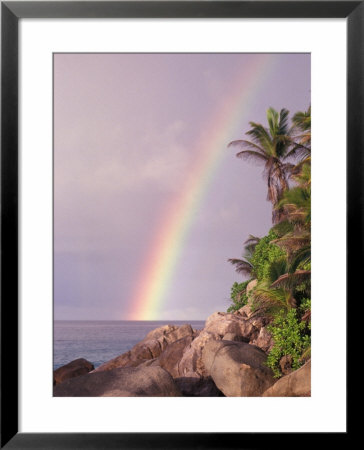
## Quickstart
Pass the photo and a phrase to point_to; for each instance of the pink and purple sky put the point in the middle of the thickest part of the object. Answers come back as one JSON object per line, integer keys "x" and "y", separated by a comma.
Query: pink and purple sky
{"x": 148, "y": 202}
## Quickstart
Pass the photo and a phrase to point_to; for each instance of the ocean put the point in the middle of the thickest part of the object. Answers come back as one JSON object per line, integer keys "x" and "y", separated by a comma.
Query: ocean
{"x": 100, "y": 341}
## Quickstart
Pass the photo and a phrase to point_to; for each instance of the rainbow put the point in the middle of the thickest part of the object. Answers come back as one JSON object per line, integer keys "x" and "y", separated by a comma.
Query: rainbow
{"x": 166, "y": 249}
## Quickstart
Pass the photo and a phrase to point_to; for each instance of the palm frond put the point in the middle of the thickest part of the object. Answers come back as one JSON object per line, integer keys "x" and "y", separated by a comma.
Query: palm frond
{"x": 270, "y": 146}
{"x": 283, "y": 227}
{"x": 273, "y": 121}
{"x": 250, "y": 155}
{"x": 302, "y": 120}
{"x": 298, "y": 151}
{"x": 272, "y": 299}
{"x": 291, "y": 280}
{"x": 260, "y": 136}
{"x": 242, "y": 266}
{"x": 283, "y": 122}
{"x": 292, "y": 242}
{"x": 247, "y": 145}
{"x": 301, "y": 173}
{"x": 300, "y": 257}
{"x": 251, "y": 243}
{"x": 277, "y": 268}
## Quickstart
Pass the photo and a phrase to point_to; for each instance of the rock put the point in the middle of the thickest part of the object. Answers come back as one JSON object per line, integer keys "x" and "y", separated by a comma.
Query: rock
{"x": 258, "y": 321}
{"x": 159, "y": 332}
{"x": 170, "y": 333}
{"x": 191, "y": 383}
{"x": 248, "y": 330}
{"x": 73, "y": 369}
{"x": 155, "y": 342}
{"x": 140, "y": 353}
{"x": 195, "y": 386}
{"x": 237, "y": 368}
{"x": 251, "y": 285}
{"x": 264, "y": 340}
{"x": 234, "y": 337}
{"x": 222, "y": 323}
{"x": 296, "y": 384}
{"x": 285, "y": 363}
{"x": 171, "y": 356}
{"x": 245, "y": 311}
{"x": 146, "y": 381}
{"x": 193, "y": 379}
{"x": 191, "y": 362}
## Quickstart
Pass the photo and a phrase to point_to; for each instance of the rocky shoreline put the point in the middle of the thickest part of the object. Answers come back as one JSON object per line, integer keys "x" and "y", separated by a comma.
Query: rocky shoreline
{"x": 226, "y": 358}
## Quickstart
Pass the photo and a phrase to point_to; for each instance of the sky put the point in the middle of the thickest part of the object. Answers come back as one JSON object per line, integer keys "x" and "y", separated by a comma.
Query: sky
{"x": 149, "y": 203}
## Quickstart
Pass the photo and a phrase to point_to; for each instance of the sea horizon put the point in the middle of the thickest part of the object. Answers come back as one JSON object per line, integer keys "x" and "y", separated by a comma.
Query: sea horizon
{"x": 99, "y": 341}
{"x": 129, "y": 320}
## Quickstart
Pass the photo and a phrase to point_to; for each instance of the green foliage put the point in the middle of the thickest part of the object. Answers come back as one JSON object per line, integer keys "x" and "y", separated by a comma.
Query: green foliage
{"x": 302, "y": 120}
{"x": 271, "y": 301}
{"x": 305, "y": 305}
{"x": 269, "y": 146}
{"x": 264, "y": 254}
{"x": 281, "y": 261}
{"x": 305, "y": 266}
{"x": 291, "y": 336}
{"x": 282, "y": 228}
{"x": 238, "y": 296}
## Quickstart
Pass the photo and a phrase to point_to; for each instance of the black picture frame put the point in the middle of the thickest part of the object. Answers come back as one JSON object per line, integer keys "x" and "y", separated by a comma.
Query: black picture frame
{"x": 11, "y": 12}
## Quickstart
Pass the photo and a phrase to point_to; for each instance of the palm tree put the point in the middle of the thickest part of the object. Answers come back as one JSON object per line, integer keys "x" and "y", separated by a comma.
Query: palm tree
{"x": 296, "y": 241}
{"x": 270, "y": 146}
{"x": 296, "y": 202}
{"x": 244, "y": 266}
{"x": 296, "y": 206}
{"x": 301, "y": 137}
{"x": 279, "y": 289}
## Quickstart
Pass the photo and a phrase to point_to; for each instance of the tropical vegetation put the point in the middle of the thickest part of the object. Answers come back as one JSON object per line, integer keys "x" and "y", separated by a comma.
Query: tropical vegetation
{"x": 281, "y": 260}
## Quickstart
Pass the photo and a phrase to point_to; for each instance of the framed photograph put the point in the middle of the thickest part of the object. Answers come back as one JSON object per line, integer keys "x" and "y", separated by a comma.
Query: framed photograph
{"x": 156, "y": 220}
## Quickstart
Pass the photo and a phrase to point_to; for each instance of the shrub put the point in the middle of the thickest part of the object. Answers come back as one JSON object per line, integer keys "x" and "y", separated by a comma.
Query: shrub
{"x": 291, "y": 337}
{"x": 238, "y": 296}
{"x": 264, "y": 254}
{"x": 305, "y": 305}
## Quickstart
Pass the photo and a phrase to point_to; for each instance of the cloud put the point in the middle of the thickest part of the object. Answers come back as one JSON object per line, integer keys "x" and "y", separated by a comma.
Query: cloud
{"x": 164, "y": 158}
{"x": 104, "y": 193}
{"x": 152, "y": 158}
